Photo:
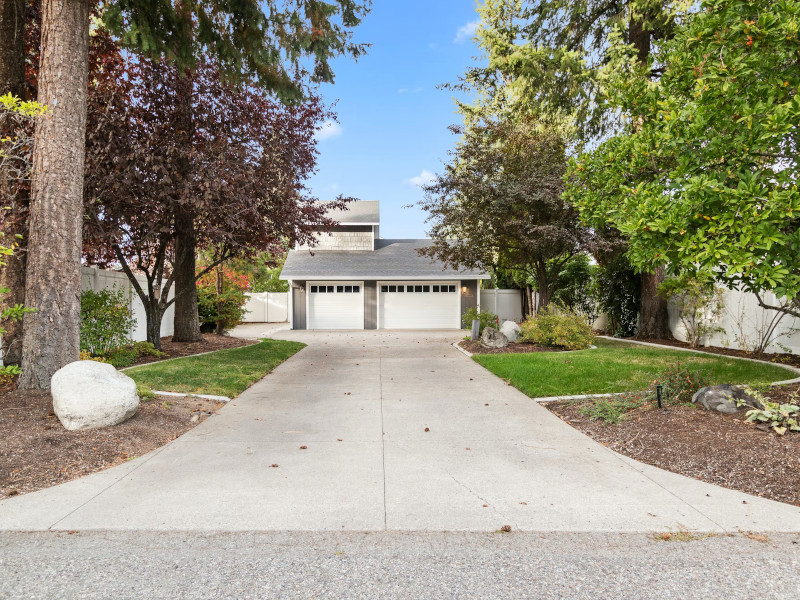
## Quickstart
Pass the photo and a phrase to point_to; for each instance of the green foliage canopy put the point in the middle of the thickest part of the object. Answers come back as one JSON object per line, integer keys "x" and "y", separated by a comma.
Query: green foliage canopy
{"x": 705, "y": 176}
{"x": 282, "y": 45}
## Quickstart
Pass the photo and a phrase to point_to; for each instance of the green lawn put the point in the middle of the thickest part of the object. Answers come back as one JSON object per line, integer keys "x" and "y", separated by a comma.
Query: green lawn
{"x": 616, "y": 367}
{"x": 222, "y": 373}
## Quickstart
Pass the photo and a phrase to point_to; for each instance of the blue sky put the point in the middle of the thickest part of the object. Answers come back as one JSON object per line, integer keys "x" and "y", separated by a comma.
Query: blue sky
{"x": 393, "y": 121}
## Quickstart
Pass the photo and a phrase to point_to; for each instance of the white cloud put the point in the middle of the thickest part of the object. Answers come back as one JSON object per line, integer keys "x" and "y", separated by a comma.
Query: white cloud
{"x": 329, "y": 129}
{"x": 423, "y": 178}
{"x": 433, "y": 45}
{"x": 466, "y": 32}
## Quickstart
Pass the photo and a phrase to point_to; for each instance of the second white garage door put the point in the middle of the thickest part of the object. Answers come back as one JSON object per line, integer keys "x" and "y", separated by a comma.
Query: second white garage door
{"x": 417, "y": 305}
{"x": 335, "y": 304}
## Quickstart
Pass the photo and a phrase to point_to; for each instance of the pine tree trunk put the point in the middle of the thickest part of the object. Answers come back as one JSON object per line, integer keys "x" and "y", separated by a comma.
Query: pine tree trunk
{"x": 187, "y": 319}
{"x": 51, "y": 336}
{"x": 12, "y": 274}
{"x": 653, "y": 315}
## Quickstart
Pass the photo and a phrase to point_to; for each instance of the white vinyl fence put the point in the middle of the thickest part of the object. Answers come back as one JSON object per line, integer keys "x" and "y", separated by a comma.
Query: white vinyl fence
{"x": 743, "y": 322}
{"x": 266, "y": 307}
{"x": 506, "y": 304}
{"x": 97, "y": 280}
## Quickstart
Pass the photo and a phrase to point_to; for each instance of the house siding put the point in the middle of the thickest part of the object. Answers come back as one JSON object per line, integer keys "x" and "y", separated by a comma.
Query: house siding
{"x": 298, "y": 304}
{"x": 356, "y": 237}
{"x": 370, "y": 305}
{"x": 469, "y": 295}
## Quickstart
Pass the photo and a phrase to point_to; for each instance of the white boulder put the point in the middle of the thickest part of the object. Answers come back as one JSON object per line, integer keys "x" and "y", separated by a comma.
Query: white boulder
{"x": 510, "y": 330}
{"x": 88, "y": 394}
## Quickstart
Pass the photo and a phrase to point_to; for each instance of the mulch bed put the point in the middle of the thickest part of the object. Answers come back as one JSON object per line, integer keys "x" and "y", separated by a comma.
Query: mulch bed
{"x": 707, "y": 445}
{"x": 513, "y": 348}
{"x": 37, "y": 452}
{"x": 781, "y": 358}
{"x": 210, "y": 343}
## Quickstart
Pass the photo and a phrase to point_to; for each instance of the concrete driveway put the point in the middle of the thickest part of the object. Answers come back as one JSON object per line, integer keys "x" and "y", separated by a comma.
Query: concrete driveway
{"x": 401, "y": 432}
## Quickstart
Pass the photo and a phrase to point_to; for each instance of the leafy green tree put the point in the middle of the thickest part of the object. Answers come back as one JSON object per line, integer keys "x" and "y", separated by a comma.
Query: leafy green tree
{"x": 705, "y": 176}
{"x": 498, "y": 204}
{"x": 549, "y": 58}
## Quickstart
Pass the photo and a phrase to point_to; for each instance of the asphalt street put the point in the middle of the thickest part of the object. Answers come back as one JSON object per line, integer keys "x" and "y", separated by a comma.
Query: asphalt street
{"x": 155, "y": 565}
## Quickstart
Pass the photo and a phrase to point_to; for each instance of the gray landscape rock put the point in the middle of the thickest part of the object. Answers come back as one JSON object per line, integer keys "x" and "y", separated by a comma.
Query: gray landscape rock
{"x": 725, "y": 398}
{"x": 510, "y": 330}
{"x": 89, "y": 394}
{"x": 492, "y": 338}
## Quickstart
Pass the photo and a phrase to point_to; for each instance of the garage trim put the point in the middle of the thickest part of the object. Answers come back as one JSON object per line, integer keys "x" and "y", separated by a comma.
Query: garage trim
{"x": 385, "y": 287}
{"x": 335, "y": 287}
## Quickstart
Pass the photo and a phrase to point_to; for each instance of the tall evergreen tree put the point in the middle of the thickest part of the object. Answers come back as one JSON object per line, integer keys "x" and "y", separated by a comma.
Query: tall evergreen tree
{"x": 546, "y": 58}
{"x": 281, "y": 46}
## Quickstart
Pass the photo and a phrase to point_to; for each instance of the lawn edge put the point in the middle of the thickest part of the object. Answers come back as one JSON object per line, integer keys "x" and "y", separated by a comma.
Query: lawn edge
{"x": 217, "y": 398}
{"x": 795, "y": 370}
{"x": 163, "y": 360}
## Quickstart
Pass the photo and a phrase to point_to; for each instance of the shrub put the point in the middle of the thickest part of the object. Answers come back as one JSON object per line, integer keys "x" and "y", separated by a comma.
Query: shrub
{"x": 486, "y": 319}
{"x": 86, "y": 355}
{"x": 557, "y": 327}
{"x": 577, "y": 288}
{"x": 125, "y": 356}
{"x": 618, "y": 291}
{"x": 106, "y": 321}
{"x": 224, "y": 308}
{"x": 699, "y": 304}
{"x": 678, "y": 384}
{"x": 8, "y": 372}
{"x": 147, "y": 349}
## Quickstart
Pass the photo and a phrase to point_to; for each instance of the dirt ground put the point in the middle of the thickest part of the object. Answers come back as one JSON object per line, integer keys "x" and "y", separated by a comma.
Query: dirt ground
{"x": 513, "y": 348}
{"x": 784, "y": 359}
{"x": 210, "y": 343}
{"x": 714, "y": 447}
{"x": 37, "y": 452}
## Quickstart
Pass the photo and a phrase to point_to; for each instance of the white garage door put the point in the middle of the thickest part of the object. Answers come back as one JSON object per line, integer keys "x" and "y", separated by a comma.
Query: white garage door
{"x": 335, "y": 304}
{"x": 417, "y": 305}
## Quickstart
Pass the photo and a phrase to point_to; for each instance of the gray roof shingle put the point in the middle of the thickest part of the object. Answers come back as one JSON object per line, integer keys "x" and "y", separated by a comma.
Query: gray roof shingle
{"x": 363, "y": 212}
{"x": 391, "y": 259}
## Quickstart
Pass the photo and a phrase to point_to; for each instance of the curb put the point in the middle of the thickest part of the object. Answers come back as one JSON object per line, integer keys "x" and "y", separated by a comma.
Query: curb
{"x": 184, "y": 395}
{"x": 471, "y": 354}
{"x": 163, "y": 360}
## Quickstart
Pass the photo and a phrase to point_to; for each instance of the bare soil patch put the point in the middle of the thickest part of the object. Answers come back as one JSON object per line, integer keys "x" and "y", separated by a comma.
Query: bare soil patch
{"x": 512, "y": 348}
{"x": 210, "y": 343}
{"x": 37, "y": 452}
{"x": 782, "y": 358}
{"x": 707, "y": 445}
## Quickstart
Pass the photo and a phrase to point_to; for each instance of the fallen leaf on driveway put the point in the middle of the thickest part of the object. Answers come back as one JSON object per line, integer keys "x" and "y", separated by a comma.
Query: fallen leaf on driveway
{"x": 303, "y": 447}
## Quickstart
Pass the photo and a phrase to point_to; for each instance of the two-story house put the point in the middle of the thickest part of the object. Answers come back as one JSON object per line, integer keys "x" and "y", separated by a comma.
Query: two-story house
{"x": 354, "y": 279}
